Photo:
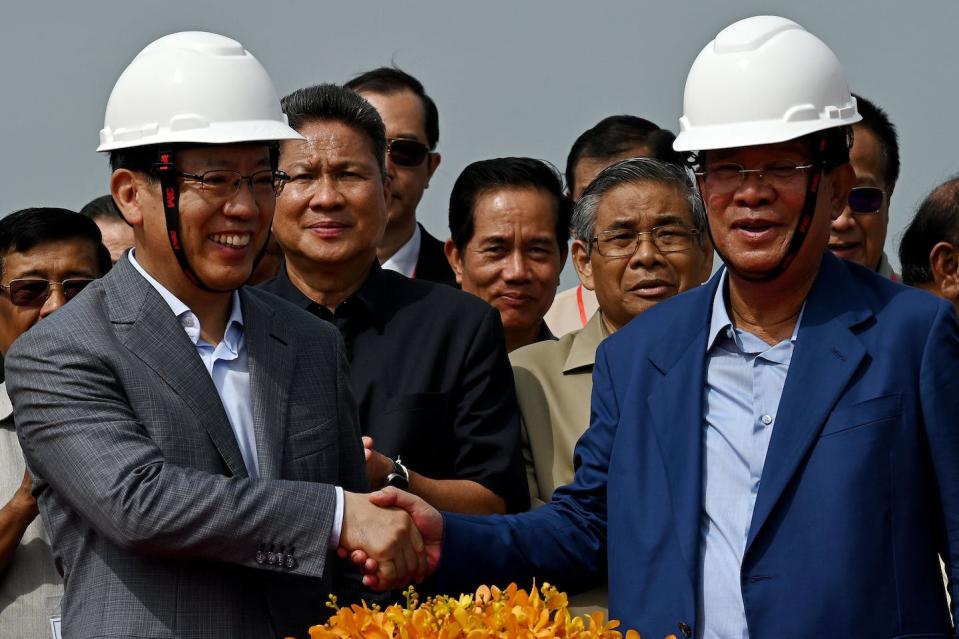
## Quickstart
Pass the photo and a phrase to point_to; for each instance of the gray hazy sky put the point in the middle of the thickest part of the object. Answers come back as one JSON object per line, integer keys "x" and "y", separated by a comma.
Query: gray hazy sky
{"x": 510, "y": 78}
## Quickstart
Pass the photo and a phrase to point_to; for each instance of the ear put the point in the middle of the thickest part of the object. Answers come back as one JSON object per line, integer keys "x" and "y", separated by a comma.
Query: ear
{"x": 583, "y": 264}
{"x": 455, "y": 259}
{"x": 432, "y": 163}
{"x": 843, "y": 177}
{"x": 130, "y": 195}
{"x": 944, "y": 263}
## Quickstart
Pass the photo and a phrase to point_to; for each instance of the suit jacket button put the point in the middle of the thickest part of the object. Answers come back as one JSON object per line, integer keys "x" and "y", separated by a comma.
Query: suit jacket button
{"x": 685, "y": 629}
{"x": 290, "y": 562}
{"x": 271, "y": 558}
{"x": 260, "y": 557}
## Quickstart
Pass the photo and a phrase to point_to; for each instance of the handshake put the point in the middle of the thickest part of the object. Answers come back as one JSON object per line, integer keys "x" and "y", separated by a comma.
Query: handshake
{"x": 392, "y": 536}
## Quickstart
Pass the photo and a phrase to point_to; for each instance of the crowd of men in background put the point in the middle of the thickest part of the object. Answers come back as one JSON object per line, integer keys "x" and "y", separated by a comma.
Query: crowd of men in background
{"x": 469, "y": 376}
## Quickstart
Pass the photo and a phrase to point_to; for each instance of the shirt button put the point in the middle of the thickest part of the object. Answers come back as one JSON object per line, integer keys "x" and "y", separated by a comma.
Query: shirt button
{"x": 767, "y": 420}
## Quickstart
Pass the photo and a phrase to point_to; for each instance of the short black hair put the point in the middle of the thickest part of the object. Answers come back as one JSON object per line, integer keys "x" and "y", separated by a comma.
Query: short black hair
{"x": 24, "y": 229}
{"x": 937, "y": 220}
{"x": 486, "y": 175}
{"x": 392, "y": 80}
{"x": 616, "y": 134}
{"x": 102, "y": 208}
{"x": 877, "y": 121}
{"x": 333, "y": 102}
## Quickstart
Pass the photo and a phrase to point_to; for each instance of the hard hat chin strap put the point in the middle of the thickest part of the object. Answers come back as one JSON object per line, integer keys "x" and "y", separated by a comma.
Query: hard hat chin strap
{"x": 170, "y": 192}
{"x": 803, "y": 224}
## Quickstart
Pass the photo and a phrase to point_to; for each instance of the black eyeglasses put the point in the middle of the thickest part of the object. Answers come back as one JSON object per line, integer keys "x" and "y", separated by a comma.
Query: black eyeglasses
{"x": 624, "y": 242}
{"x": 406, "y": 152}
{"x": 223, "y": 184}
{"x": 32, "y": 293}
{"x": 865, "y": 199}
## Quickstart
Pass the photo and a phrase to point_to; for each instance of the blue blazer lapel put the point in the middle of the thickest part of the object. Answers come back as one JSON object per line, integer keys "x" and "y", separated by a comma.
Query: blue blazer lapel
{"x": 146, "y": 325}
{"x": 676, "y": 406}
{"x": 826, "y": 356}
{"x": 271, "y": 369}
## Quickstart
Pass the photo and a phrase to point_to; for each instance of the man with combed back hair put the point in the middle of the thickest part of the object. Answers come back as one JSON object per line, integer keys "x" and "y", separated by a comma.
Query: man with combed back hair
{"x": 427, "y": 363}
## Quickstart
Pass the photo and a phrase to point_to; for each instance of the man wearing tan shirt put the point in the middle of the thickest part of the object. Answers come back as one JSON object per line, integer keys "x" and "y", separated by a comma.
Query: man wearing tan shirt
{"x": 615, "y": 138}
{"x": 639, "y": 238}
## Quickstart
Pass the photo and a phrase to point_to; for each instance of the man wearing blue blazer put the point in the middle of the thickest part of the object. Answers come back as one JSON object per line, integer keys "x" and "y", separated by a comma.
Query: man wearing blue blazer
{"x": 774, "y": 455}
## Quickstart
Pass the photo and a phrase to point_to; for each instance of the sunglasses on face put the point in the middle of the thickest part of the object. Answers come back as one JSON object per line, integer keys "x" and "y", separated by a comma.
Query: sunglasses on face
{"x": 406, "y": 152}
{"x": 32, "y": 293}
{"x": 865, "y": 199}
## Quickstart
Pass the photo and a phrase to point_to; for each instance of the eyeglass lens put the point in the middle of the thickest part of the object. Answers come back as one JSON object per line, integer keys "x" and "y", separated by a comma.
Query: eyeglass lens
{"x": 407, "y": 152}
{"x": 225, "y": 183}
{"x": 865, "y": 199}
{"x": 34, "y": 292}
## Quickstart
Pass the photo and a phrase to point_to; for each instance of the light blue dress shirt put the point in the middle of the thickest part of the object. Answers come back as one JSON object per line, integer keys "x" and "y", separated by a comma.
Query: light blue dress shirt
{"x": 226, "y": 363}
{"x": 744, "y": 383}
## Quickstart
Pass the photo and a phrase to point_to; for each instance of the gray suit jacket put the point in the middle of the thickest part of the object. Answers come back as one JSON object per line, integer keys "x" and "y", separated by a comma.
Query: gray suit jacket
{"x": 157, "y": 527}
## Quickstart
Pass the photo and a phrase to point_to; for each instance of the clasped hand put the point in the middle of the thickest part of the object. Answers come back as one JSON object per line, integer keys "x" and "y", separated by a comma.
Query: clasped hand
{"x": 392, "y": 536}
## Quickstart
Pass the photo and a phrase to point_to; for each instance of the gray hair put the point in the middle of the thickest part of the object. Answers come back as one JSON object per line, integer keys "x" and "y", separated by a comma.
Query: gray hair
{"x": 631, "y": 171}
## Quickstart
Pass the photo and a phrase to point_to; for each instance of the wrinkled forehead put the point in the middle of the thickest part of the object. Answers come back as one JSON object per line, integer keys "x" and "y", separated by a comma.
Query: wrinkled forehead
{"x": 643, "y": 203}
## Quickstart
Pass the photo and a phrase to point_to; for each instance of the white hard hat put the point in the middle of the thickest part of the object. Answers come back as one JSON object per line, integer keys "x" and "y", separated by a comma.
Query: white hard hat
{"x": 193, "y": 87}
{"x": 763, "y": 80}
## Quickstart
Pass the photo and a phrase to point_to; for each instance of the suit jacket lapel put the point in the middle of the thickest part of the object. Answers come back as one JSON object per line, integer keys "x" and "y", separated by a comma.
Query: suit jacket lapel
{"x": 826, "y": 356}
{"x": 268, "y": 355}
{"x": 146, "y": 325}
{"x": 676, "y": 406}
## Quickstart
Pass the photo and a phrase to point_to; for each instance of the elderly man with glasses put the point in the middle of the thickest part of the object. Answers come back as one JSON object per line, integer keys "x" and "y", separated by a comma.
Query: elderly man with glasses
{"x": 47, "y": 256}
{"x": 640, "y": 238}
{"x": 412, "y": 132}
{"x": 859, "y": 234}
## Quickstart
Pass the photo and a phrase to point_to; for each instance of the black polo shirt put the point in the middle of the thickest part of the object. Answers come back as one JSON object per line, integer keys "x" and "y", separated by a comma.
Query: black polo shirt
{"x": 431, "y": 378}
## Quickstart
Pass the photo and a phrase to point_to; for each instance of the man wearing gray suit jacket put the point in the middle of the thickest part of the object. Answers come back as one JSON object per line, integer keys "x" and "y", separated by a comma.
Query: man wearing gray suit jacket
{"x": 194, "y": 445}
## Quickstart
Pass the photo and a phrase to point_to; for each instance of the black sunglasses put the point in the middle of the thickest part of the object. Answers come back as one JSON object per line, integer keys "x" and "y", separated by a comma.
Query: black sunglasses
{"x": 32, "y": 293}
{"x": 865, "y": 199}
{"x": 405, "y": 152}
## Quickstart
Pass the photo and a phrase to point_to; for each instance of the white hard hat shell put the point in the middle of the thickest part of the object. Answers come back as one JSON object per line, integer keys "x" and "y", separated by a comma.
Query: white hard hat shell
{"x": 193, "y": 87}
{"x": 763, "y": 80}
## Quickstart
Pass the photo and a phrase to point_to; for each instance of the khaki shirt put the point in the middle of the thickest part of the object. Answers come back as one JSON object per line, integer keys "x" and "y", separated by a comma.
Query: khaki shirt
{"x": 570, "y": 310}
{"x": 30, "y": 587}
{"x": 554, "y": 382}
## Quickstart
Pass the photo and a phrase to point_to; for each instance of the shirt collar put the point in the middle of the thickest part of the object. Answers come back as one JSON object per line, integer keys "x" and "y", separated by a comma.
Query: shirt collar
{"x": 187, "y": 318}
{"x": 6, "y": 407}
{"x": 372, "y": 296}
{"x": 404, "y": 260}
{"x": 721, "y": 326}
{"x": 582, "y": 352}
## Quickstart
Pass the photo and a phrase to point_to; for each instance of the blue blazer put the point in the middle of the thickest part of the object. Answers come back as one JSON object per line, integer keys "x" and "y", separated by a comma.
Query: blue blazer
{"x": 859, "y": 492}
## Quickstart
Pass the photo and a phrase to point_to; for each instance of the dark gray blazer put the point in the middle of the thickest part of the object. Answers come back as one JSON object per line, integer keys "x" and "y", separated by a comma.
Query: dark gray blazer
{"x": 157, "y": 527}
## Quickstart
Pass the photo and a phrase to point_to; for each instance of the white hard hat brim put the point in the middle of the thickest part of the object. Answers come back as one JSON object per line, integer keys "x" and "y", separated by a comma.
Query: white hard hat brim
{"x": 736, "y": 135}
{"x": 215, "y": 133}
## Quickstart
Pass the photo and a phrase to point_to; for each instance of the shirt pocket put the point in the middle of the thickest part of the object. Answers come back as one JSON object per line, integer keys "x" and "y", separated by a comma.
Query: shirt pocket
{"x": 871, "y": 412}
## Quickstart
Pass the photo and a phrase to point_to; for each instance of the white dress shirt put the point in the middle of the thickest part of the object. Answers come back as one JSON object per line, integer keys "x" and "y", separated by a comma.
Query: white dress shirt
{"x": 404, "y": 260}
